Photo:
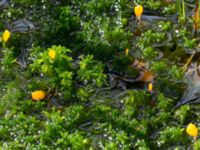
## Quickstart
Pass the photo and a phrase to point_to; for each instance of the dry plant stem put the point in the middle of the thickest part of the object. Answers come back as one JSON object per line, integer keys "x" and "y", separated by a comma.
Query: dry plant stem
{"x": 188, "y": 62}
{"x": 196, "y": 18}
{"x": 195, "y": 140}
{"x": 140, "y": 23}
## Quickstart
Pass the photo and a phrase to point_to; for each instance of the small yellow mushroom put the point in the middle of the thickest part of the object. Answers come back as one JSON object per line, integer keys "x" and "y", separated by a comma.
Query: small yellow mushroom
{"x": 138, "y": 10}
{"x": 192, "y": 130}
{"x": 38, "y": 95}
{"x": 52, "y": 54}
{"x": 6, "y": 35}
{"x": 126, "y": 52}
{"x": 150, "y": 87}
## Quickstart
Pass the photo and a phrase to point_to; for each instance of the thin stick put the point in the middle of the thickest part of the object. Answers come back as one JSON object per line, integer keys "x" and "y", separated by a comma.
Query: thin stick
{"x": 188, "y": 62}
{"x": 183, "y": 11}
{"x": 196, "y": 18}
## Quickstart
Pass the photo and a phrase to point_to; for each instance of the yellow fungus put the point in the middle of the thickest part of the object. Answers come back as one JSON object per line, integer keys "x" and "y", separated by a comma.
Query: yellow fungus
{"x": 192, "y": 130}
{"x": 38, "y": 95}
{"x": 52, "y": 54}
{"x": 138, "y": 10}
{"x": 150, "y": 87}
{"x": 6, "y": 35}
{"x": 126, "y": 52}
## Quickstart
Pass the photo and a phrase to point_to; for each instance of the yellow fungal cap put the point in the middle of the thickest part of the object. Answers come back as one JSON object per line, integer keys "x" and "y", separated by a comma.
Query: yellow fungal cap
{"x": 138, "y": 10}
{"x": 6, "y": 35}
{"x": 192, "y": 130}
{"x": 150, "y": 87}
{"x": 38, "y": 95}
{"x": 126, "y": 52}
{"x": 52, "y": 54}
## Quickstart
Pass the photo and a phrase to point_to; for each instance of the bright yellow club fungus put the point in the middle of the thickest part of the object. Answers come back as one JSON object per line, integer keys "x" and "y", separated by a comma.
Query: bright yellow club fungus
{"x": 52, "y": 54}
{"x": 126, "y": 52}
{"x": 138, "y": 10}
{"x": 6, "y": 35}
{"x": 192, "y": 130}
{"x": 150, "y": 87}
{"x": 38, "y": 95}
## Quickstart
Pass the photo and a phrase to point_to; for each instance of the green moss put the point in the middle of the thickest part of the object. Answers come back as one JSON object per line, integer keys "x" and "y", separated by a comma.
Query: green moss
{"x": 90, "y": 38}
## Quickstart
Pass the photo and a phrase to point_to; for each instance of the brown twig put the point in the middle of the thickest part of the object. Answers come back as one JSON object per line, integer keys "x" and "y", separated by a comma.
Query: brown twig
{"x": 196, "y": 18}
